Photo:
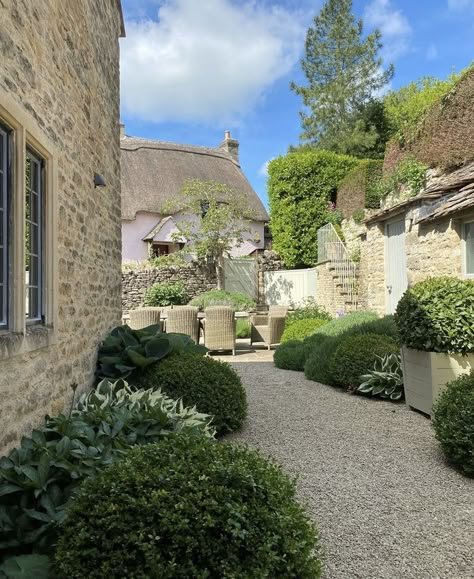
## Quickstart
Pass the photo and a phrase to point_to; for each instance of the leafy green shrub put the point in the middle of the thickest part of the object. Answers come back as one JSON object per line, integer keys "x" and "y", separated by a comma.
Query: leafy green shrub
{"x": 243, "y": 329}
{"x": 356, "y": 355}
{"x": 125, "y": 351}
{"x": 189, "y": 508}
{"x": 38, "y": 479}
{"x": 386, "y": 378}
{"x": 359, "y": 188}
{"x": 212, "y": 386}
{"x": 176, "y": 258}
{"x": 166, "y": 294}
{"x": 237, "y": 300}
{"x": 300, "y": 187}
{"x": 358, "y": 216}
{"x": 301, "y": 329}
{"x": 26, "y": 566}
{"x": 290, "y": 356}
{"x": 405, "y": 108}
{"x": 453, "y": 422}
{"x": 309, "y": 309}
{"x": 321, "y": 345}
{"x": 409, "y": 175}
{"x": 437, "y": 315}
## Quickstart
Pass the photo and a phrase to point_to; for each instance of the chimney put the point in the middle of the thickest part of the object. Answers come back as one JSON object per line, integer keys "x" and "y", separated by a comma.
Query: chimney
{"x": 231, "y": 146}
{"x": 122, "y": 130}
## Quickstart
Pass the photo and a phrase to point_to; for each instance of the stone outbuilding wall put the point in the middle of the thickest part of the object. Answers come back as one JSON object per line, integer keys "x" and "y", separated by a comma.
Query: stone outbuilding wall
{"x": 59, "y": 80}
{"x": 135, "y": 282}
{"x": 432, "y": 249}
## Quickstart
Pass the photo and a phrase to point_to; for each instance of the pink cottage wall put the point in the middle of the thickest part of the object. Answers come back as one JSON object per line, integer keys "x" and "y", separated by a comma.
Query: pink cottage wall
{"x": 133, "y": 232}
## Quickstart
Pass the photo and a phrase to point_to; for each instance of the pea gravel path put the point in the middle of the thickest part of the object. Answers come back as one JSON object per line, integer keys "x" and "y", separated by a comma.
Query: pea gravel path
{"x": 370, "y": 473}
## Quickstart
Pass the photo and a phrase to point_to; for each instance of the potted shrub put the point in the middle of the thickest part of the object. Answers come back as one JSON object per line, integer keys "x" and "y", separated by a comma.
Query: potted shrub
{"x": 435, "y": 319}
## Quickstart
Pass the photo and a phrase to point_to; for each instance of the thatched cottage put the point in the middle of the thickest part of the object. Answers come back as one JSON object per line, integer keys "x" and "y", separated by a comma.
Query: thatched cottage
{"x": 60, "y": 244}
{"x": 153, "y": 174}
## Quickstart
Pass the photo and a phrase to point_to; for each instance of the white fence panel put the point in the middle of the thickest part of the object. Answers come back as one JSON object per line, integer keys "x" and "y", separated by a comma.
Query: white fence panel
{"x": 289, "y": 287}
{"x": 241, "y": 275}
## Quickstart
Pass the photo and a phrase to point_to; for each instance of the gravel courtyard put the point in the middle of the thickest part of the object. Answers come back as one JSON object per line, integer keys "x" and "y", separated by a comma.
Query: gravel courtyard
{"x": 370, "y": 473}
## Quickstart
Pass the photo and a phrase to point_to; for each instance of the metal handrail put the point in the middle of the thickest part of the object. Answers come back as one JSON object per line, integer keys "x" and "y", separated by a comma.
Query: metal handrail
{"x": 331, "y": 248}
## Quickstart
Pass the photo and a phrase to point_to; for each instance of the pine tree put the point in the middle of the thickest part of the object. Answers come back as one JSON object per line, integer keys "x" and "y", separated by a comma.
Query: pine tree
{"x": 344, "y": 73}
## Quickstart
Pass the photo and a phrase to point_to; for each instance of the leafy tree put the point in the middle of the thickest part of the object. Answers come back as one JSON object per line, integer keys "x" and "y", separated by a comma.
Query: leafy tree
{"x": 344, "y": 73}
{"x": 215, "y": 221}
{"x": 302, "y": 189}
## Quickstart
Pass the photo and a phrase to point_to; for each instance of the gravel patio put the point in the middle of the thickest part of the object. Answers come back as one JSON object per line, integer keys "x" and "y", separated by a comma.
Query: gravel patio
{"x": 370, "y": 473}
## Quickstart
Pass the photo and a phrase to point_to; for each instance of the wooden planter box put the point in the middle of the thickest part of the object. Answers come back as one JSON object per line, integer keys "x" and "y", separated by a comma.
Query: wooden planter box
{"x": 426, "y": 373}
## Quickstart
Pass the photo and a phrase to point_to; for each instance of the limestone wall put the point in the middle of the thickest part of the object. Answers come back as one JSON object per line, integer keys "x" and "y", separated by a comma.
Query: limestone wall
{"x": 432, "y": 249}
{"x": 60, "y": 67}
{"x": 135, "y": 283}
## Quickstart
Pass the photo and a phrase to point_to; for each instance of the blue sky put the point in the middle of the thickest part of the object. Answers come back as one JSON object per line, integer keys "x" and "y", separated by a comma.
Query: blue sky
{"x": 194, "y": 68}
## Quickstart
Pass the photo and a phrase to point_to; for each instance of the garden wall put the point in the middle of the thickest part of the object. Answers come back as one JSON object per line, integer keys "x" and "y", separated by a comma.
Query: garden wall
{"x": 197, "y": 279}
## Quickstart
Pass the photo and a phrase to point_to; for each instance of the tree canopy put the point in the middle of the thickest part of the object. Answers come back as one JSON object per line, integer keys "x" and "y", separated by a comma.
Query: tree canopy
{"x": 344, "y": 74}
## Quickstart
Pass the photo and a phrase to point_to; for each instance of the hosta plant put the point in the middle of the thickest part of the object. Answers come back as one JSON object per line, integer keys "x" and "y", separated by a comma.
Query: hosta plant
{"x": 385, "y": 380}
{"x": 125, "y": 351}
{"x": 38, "y": 479}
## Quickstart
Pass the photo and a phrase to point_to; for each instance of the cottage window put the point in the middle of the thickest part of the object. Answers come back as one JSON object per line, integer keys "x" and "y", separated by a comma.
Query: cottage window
{"x": 4, "y": 229}
{"x": 469, "y": 248}
{"x": 34, "y": 237}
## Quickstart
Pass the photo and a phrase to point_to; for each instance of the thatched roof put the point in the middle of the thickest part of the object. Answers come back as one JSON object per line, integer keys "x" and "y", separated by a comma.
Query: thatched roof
{"x": 154, "y": 172}
{"x": 455, "y": 190}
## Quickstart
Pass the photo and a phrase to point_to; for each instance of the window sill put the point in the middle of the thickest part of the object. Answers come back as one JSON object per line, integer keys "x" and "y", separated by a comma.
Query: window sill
{"x": 34, "y": 338}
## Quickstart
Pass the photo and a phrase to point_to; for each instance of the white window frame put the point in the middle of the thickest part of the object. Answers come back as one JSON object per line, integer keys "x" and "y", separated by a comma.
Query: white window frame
{"x": 21, "y": 336}
{"x": 464, "y": 249}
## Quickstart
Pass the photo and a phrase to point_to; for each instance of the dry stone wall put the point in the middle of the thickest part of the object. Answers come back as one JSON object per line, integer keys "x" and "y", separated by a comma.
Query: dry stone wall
{"x": 197, "y": 279}
{"x": 60, "y": 65}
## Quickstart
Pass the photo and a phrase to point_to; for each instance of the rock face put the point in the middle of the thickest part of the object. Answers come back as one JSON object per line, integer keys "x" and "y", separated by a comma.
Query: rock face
{"x": 135, "y": 283}
{"x": 59, "y": 71}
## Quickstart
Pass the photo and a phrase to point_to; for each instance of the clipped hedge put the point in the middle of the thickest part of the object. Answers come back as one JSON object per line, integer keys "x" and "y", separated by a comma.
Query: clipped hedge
{"x": 453, "y": 422}
{"x": 359, "y": 188}
{"x": 356, "y": 355}
{"x": 300, "y": 187}
{"x": 189, "y": 508}
{"x": 320, "y": 347}
{"x": 301, "y": 329}
{"x": 437, "y": 315}
{"x": 237, "y": 300}
{"x": 290, "y": 356}
{"x": 214, "y": 387}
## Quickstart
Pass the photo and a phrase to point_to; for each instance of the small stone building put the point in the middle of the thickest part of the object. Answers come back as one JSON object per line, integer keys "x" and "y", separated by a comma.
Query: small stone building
{"x": 429, "y": 235}
{"x": 60, "y": 240}
{"x": 153, "y": 174}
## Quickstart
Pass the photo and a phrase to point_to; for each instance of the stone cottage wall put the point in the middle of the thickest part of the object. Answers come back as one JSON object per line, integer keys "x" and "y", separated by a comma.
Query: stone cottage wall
{"x": 60, "y": 65}
{"x": 135, "y": 283}
{"x": 267, "y": 261}
{"x": 432, "y": 249}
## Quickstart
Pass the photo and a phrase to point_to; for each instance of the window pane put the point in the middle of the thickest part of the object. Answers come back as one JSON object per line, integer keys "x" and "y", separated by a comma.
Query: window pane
{"x": 469, "y": 236}
{"x": 33, "y": 237}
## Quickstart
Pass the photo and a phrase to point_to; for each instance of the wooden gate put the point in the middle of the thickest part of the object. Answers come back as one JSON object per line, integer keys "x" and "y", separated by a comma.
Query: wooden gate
{"x": 241, "y": 275}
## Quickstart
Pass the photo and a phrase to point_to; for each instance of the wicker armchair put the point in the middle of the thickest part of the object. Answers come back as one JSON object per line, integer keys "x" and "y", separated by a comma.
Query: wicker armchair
{"x": 268, "y": 328}
{"x": 220, "y": 328}
{"x": 183, "y": 320}
{"x": 143, "y": 317}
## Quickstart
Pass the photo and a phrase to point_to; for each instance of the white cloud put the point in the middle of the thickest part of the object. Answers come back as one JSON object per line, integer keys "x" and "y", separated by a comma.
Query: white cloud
{"x": 460, "y": 4}
{"x": 206, "y": 61}
{"x": 432, "y": 52}
{"x": 393, "y": 24}
{"x": 263, "y": 171}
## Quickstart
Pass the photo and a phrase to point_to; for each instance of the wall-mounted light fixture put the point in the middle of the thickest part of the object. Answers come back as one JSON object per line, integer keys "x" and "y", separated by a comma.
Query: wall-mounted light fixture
{"x": 99, "y": 181}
